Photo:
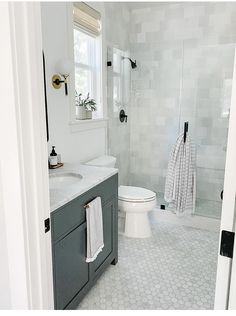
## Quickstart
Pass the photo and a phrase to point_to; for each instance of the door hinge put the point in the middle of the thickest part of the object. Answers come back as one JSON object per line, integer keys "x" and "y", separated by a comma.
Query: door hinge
{"x": 47, "y": 225}
{"x": 227, "y": 244}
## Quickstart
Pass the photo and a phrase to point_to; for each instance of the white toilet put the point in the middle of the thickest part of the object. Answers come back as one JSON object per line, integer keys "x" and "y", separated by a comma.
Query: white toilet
{"x": 135, "y": 202}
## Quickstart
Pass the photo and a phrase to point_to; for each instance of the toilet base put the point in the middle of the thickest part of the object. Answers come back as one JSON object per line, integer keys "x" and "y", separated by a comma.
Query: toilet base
{"x": 137, "y": 225}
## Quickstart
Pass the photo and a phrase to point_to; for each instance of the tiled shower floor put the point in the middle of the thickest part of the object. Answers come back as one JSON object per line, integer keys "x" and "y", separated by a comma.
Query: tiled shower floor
{"x": 174, "y": 269}
{"x": 206, "y": 208}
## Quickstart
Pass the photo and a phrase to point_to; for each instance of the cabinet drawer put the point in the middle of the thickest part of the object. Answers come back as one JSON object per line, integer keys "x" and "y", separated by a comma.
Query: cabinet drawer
{"x": 66, "y": 218}
{"x": 73, "y": 213}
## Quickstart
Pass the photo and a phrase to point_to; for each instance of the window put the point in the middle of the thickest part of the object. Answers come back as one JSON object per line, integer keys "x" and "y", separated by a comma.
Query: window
{"x": 85, "y": 63}
{"x": 87, "y": 54}
{"x": 121, "y": 79}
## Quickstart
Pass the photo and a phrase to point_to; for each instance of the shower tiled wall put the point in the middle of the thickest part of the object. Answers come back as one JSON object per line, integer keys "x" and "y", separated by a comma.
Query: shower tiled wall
{"x": 185, "y": 56}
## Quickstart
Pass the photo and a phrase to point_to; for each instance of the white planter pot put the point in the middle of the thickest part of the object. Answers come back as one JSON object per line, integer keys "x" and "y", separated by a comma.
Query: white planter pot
{"x": 81, "y": 113}
{"x": 89, "y": 115}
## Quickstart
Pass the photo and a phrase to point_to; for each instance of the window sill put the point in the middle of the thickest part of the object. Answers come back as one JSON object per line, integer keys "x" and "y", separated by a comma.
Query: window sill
{"x": 82, "y": 125}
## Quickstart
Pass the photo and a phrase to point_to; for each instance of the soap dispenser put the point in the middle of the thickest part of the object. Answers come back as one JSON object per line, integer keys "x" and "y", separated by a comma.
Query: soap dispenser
{"x": 53, "y": 157}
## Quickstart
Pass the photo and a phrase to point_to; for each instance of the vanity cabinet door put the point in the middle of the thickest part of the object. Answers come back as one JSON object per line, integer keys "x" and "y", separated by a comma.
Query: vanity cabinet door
{"x": 70, "y": 267}
{"x": 108, "y": 211}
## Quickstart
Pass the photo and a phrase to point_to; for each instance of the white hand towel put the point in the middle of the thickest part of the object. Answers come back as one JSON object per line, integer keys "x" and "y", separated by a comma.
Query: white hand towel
{"x": 95, "y": 241}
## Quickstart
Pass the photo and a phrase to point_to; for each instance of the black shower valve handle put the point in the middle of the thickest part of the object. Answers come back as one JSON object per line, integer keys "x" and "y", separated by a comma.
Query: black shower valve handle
{"x": 123, "y": 116}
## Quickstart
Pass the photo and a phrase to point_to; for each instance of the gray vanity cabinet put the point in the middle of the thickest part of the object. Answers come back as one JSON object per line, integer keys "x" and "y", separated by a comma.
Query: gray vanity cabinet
{"x": 72, "y": 275}
{"x": 108, "y": 219}
{"x": 71, "y": 270}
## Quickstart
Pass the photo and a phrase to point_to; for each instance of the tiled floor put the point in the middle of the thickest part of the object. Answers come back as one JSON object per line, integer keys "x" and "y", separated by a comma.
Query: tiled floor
{"x": 175, "y": 269}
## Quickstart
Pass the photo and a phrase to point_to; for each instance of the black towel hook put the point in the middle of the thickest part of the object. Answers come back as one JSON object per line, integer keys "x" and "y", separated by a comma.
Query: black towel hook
{"x": 185, "y": 130}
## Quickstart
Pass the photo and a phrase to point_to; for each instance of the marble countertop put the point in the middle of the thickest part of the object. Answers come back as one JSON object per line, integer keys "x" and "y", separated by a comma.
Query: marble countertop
{"x": 91, "y": 177}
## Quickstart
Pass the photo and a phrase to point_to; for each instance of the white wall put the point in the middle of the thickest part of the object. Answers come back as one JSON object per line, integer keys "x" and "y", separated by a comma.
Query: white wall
{"x": 5, "y": 301}
{"x": 72, "y": 144}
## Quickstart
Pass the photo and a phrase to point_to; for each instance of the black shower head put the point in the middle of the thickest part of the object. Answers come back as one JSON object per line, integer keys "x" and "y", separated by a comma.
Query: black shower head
{"x": 133, "y": 63}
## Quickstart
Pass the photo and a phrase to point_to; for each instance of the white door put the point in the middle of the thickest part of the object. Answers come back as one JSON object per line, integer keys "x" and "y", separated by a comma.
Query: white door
{"x": 25, "y": 250}
{"x": 226, "y": 269}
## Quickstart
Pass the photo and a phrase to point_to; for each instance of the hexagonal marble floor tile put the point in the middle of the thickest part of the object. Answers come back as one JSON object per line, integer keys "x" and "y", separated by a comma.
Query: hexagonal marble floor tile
{"x": 174, "y": 269}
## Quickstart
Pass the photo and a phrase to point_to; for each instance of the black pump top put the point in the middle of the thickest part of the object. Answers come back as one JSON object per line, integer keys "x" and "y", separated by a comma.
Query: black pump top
{"x": 53, "y": 153}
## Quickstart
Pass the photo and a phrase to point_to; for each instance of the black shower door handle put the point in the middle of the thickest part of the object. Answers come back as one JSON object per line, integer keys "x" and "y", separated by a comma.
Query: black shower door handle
{"x": 222, "y": 194}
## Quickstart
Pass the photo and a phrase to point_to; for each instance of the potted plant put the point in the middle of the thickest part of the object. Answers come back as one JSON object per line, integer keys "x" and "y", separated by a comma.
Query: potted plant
{"x": 85, "y": 107}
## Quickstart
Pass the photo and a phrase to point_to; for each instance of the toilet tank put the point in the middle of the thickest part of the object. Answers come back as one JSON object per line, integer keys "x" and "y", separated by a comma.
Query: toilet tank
{"x": 103, "y": 161}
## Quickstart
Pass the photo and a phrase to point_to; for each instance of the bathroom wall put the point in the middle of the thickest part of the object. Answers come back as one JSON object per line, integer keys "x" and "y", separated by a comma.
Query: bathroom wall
{"x": 185, "y": 57}
{"x": 76, "y": 143}
{"x": 81, "y": 144}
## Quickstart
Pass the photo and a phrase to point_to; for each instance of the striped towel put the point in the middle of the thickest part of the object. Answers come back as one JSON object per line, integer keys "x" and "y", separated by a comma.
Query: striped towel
{"x": 180, "y": 187}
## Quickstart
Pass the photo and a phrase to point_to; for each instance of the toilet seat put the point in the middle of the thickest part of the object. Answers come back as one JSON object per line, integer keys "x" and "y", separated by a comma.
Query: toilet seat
{"x": 135, "y": 194}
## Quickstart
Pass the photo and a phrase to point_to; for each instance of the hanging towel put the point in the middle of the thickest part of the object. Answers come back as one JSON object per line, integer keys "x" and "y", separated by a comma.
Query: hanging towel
{"x": 180, "y": 187}
{"x": 95, "y": 242}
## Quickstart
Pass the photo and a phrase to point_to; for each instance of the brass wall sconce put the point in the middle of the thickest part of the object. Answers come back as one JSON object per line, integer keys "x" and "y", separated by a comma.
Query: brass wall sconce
{"x": 64, "y": 68}
{"x": 56, "y": 82}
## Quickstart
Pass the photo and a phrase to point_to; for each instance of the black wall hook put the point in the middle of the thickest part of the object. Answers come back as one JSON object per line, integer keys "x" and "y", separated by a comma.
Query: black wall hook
{"x": 185, "y": 130}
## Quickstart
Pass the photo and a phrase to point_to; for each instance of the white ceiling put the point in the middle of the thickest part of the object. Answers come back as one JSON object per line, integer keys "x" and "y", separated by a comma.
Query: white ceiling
{"x": 147, "y": 4}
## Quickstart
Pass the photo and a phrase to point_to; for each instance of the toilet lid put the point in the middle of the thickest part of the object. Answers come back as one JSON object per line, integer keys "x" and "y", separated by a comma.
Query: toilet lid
{"x": 129, "y": 193}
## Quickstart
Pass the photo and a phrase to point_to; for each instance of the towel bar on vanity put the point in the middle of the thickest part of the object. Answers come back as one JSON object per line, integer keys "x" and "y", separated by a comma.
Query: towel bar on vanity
{"x": 87, "y": 205}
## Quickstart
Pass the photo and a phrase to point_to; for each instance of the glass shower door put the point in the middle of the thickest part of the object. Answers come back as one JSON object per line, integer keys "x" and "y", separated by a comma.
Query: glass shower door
{"x": 205, "y": 103}
{"x": 118, "y": 97}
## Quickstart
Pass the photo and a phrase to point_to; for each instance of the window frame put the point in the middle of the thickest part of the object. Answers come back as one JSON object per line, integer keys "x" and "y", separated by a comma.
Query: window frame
{"x": 100, "y": 117}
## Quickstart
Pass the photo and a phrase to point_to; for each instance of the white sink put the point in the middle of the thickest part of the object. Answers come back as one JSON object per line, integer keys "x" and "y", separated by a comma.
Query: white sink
{"x": 63, "y": 179}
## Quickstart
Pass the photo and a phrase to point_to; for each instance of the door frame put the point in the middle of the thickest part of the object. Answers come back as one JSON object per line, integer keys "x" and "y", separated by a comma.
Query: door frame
{"x": 24, "y": 158}
{"x": 232, "y": 285}
{"x": 23, "y": 167}
{"x": 224, "y": 286}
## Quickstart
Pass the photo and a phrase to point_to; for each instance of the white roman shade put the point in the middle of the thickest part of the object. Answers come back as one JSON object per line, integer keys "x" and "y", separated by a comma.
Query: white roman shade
{"x": 87, "y": 18}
